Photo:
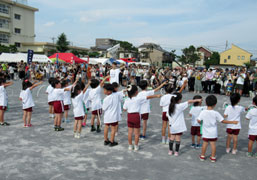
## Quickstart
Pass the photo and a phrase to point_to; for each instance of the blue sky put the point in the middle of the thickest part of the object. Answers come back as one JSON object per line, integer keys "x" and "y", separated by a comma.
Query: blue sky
{"x": 174, "y": 24}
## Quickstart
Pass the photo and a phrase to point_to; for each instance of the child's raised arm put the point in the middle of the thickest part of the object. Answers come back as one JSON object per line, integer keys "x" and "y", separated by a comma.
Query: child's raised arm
{"x": 102, "y": 83}
{"x": 8, "y": 84}
{"x": 193, "y": 101}
{"x": 35, "y": 85}
{"x": 158, "y": 88}
{"x": 154, "y": 96}
{"x": 229, "y": 122}
{"x": 86, "y": 87}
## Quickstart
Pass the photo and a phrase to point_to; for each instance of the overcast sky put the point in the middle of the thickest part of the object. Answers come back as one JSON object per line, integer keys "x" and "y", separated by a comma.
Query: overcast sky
{"x": 174, "y": 24}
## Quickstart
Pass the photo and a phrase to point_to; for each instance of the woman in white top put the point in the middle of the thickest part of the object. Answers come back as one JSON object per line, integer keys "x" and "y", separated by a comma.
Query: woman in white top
{"x": 176, "y": 120}
{"x": 27, "y": 101}
{"x": 77, "y": 96}
{"x": 3, "y": 100}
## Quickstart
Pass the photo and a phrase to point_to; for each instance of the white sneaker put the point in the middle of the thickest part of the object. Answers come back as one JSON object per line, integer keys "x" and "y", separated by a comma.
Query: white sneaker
{"x": 136, "y": 148}
{"x": 234, "y": 151}
{"x": 167, "y": 141}
{"x": 78, "y": 135}
{"x": 75, "y": 135}
{"x": 130, "y": 148}
{"x": 228, "y": 150}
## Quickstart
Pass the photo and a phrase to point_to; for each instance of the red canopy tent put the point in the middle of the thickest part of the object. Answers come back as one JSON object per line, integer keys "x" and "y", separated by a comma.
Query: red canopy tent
{"x": 66, "y": 57}
{"x": 128, "y": 60}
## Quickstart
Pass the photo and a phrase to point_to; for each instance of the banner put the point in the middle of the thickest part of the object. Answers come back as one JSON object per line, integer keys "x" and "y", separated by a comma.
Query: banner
{"x": 57, "y": 56}
{"x": 30, "y": 56}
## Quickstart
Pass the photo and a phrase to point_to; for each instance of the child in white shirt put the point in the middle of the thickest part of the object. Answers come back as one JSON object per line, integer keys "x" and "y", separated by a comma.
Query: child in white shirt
{"x": 86, "y": 106}
{"x": 195, "y": 128}
{"x": 252, "y": 132}
{"x": 96, "y": 104}
{"x": 49, "y": 91}
{"x": 27, "y": 101}
{"x": 209, "y": 119}
{"x": 3, "y": 100}
{"x": 77, "y": 96}
{"x": 66, "y": 101}
{"x": 177, "y": 121}
{"x": 233, "y": 113}
{"x": 145, "y": 107}
{"x": 132, "y": 105}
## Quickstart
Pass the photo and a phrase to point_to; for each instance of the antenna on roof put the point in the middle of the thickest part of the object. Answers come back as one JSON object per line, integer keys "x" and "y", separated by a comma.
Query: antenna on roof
{"x": 226, "y": 45}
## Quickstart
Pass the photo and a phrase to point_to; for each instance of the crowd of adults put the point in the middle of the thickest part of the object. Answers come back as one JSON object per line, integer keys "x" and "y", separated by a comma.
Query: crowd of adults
{"x": 212, "y": 80}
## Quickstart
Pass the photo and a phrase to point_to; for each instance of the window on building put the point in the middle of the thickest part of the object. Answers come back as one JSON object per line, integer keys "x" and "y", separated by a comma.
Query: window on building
{"x": 229, "y": 57}
{"x": 225, "y": 61}
{"x": 17, "y": 30}
{"x": 243, "y": 57}
{"x": 4, "y": 38}
{"x": 4, "y": 23}
{"x": 4, "y": 9}
{"x": 238, "y": 57}
{"x": 17, "y": 16}
{"x": 17, "y": 44}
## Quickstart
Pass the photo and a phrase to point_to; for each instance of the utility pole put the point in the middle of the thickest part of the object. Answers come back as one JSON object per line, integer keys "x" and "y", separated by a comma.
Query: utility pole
{"x": 226, "y": 45}
{"x": 53, "y": 39}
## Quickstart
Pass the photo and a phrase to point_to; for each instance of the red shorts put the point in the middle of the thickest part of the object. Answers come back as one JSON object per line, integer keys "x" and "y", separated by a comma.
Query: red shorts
{"x": 111, "y": 124}
{"x": 145, "y": 116}
{"x": 3, "y": 108}
{"x": 164, "y": 117}
{"x": 28, "y": 109}
{"x": 133, "y": 120}
{"x": 58, "y": 107}
{"x": 233, "y": 131}
{"x": 195, "y": 131}
{"x": 51, "y": 103}
{"x": 177, "y": 134}
{"x": 96, "y": 113}
{"x": 210, "y": 139}
{"x": 66, "y": 107}
{"x": 79, "y": 118}
{"x": 252, "y": 137}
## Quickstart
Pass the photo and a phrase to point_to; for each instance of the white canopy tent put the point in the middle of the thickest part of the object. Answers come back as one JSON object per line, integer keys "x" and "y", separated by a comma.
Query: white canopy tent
{"x": 140, "y": 63}
{"x": 9, "y": 57}
{"x": 102, "y": 61}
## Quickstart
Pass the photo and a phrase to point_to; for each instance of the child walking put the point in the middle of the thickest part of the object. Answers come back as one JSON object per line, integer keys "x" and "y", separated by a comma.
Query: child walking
{"x": 27, "y": 101}
{"x": 132, "y": 105}
{"x": 66, "y": 101}
{"x": 195, "y": 128}
{"x": 233, "y": 113}
{"x": 77, "y": 95}
{"x": 209, "y": 118}
{"x": 252, "y": 132}
{"x": 177, "y": 121}
{"x": 145, "y": 107}
{"x": 49, "y": 92}
{"x": 3, "y": 100}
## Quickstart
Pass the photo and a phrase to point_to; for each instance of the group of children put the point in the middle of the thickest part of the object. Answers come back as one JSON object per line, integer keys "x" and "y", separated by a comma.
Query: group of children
{"x": 61, "y": 94}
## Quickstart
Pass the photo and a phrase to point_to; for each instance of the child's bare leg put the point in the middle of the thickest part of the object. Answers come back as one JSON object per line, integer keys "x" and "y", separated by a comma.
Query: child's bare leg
{"x": 55, "y": 120}
{"x": 172, "y": 137}
{"x": 144, "y": 127}
{"x": 164, "y": 126}
{"x": 130, "y": 133}
{"x": 106, "y": 129}
{"x": 113, "y": 128}
{"x": 229, "y": 136}
{"x": 29, "y": 114}
{"x": 1, "y": 116}
{"x": 66, "y": 112}
{"x": 25, "y": 117}
{"x": 250, "y": 146}
{"x": 117, "y": 128}
{"x": 137, "y": 134}
{"x": 198, "y": 139}
{"x": 204, "y": 148}
{"x": 98, "y": 120}
{"x": 93, "y": 120}
{"x": 75, "y": 126}
{"x": 235, "y": 140}
{"x": 193, "y": 139}
{"x": 85, "y": 119}
{"x": 213, "y": 148}
{"x": 79, "y": 126}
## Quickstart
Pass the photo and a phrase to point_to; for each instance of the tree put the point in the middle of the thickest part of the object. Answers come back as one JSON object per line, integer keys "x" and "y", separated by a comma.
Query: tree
{"x": 189, "y": 56}
{"x": 214, "y": 60}
{"x": 8, "y": 49}
{"x": 94, "y": 54}
{"x": 127, "y": 46}
{"x": 62, "y": 43}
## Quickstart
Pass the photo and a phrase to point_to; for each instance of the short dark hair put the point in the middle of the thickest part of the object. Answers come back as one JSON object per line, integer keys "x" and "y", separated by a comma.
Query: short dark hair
{"x": 2, "y": 80}
{"x": 115, "y": 85}
{"x": 54, "y": 82}
{"x": 169, "y": 88}
{"x": 197, "y": 97}
{"x": 94, "y": 83}
{"x": 114, "y": 63}
{"x": 75, "y": 91}
{"x": 255, "y": 100}
{"x": 132, "y": 90}
{"x": 64, "y": 83}
{"x": 109, "y": 87}
{"x": 143, "y": 84}
{"x": 26, "y": 84}
{"x": 211, "y": 100}
{"x": 234, "y": 98}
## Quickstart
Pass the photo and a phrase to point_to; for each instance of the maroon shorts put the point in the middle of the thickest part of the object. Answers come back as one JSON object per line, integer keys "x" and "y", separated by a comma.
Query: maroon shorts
{"x": 79, "y": 118}
{"x": 177, "y": 134}
{"x": 164, "y": 117}
{"x": 111, "y": 124}
{"x": 96, "y": 113}
{"x": 133, "y": 120}
{"x": 58, "y": 107}
{"x": 210, "y": 139}
{"x": 3, "y": 108}
{"x": 233, "y": 131}
{"x": 28, "y": 109}
{"x": 51, "y": 103}
{"x": 195, "y": 131}
{"x": 66, "y": 107}
{"x": 252, "y": 137}
{"x": 145, "y": 116}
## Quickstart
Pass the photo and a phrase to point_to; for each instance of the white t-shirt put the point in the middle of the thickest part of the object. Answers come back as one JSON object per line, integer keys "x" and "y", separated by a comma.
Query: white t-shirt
{"x": 120, "y": 96}
{"x": 114, "y": 75}
{"x": 209, "y": 119}
{"x": 195, "y": 111}
{"x": 252, "y": 116}
{"x": 3, "y": 96}
{"x": 145, "y": 107}
{"x": 241, "y": 80}
{"x": 78, "y": 108}
{"x": 58, "y": 94}
{"x": 165, "y": 102}
{"x": 27, "y": 99}
{"x": 133, "y": 105}
{"x": 233, "y": 114}
{"x": 111, "y": 108}
{"x": 67, "y": 97}
{"x": 86, "y": 98}
{"x": 177, "y": 120}
{"x": 95, "y": 98}
{"x": 49, "y": 92}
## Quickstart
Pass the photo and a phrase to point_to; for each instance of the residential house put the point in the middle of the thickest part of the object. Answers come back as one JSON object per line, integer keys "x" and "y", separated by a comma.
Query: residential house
{"x": 204, "y": 54}
{"x": 235, "y": 56}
